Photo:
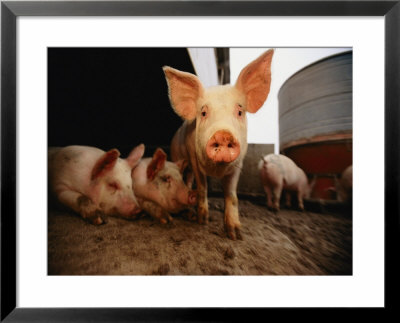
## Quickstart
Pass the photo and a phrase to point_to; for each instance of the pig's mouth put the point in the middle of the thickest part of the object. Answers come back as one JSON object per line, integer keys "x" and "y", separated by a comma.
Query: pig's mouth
{"x": 176, "y": 206}
{"x": 114, "y": 211}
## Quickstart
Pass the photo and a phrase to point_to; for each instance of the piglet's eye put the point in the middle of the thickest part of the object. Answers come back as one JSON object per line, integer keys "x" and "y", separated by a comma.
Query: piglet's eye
{"x": 113, "y": 185}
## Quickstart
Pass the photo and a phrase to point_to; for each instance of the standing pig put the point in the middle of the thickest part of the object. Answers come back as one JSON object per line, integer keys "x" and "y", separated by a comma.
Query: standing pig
{"x": 213, "y": 138}
{"x": 92, "y": 182}
{"x": 344, "y": 185}
{"x": 278, "y": 173}
{"x": 159, "y": 186}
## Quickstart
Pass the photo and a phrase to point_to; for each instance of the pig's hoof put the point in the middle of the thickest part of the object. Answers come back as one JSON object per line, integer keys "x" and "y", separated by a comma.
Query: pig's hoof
{"x": 202, "y": 220}
{"x": 97, "y": 218}
{"x": 202, "y": 215}
{"x": 192, "y": 217}
{"x": 234, "y": 233}
{"x": 98, "y": 221}
{"x": 238, "y": 234}
{"x": 166, "y": 219}
{"x": 189, "y": 215}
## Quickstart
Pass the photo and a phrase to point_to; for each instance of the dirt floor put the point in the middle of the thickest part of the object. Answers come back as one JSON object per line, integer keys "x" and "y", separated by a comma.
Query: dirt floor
{"x": 287, "y": 243}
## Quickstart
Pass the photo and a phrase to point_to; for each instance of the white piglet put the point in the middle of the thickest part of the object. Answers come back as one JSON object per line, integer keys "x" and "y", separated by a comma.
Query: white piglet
{"x": 213, "y": 138}
{"x": 92, "y": 182}
{"x": 158, "y": 184}
{"x": 278, "y": 173}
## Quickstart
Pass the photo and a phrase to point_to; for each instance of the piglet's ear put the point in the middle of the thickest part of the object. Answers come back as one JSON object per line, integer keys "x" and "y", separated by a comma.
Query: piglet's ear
{"x": 135, "y": 155}
{"x": 184, "y": 89}
{"x": 156, "y": 164}
{"x": 105, "y": 163}
{"x": 182, "y": 164}
{"x": 254, "y": 81}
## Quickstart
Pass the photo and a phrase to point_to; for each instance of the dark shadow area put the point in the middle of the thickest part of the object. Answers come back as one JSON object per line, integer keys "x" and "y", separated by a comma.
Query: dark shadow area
{"x": 112, "y": 97}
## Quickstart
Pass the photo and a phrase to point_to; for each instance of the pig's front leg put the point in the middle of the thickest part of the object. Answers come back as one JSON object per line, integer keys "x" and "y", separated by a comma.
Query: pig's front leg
{"x": 231, "y": 218}
{"x": 189, "y": 179}
{"x": 156, "y": 211}
{"x": 83, "y": 205}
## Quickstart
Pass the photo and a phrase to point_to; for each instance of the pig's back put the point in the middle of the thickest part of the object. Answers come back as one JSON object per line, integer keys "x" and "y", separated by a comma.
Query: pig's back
{"x": 273, "y": 173}
{"x": 293, "y": 174}
{"x": 139, "y": 174}
{"x": 72, "y": 165}
{"x": 181, "y": 140}
{"x": 347, "y": 177}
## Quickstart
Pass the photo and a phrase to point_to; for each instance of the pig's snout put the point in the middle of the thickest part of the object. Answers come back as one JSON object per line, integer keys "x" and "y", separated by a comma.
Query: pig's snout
{"x": 192, "y": 198}
{"x": 223, "y": 147}
{"x": 135, "y": 210}
{"x": 129, "y": 208}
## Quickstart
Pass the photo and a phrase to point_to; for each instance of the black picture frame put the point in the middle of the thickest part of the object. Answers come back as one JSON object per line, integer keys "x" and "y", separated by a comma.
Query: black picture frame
{"x": 10, "y": 10}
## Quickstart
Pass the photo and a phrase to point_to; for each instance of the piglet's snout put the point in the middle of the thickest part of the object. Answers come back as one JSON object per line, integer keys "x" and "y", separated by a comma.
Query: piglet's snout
{"x": 223, "y": 147}
{"x": 130, "y": 208}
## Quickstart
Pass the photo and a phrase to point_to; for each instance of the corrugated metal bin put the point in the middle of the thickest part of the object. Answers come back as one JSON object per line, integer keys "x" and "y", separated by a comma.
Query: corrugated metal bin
{"x": 315, "y": 120}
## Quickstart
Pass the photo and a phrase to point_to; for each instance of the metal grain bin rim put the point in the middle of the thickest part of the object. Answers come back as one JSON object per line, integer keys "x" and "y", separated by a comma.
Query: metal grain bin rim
{"x": 312, "y": 64}
{"x": 333, "y": 137}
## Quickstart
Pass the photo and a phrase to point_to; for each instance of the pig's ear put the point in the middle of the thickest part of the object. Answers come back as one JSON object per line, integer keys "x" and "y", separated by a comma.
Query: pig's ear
{"x": 255, "y": 80}
{"x": 135, "y": 155}
{"x": 156, "y": 164}
{"x": 184, "y": 89}
{"x": 105, "y": 163}
{"x": 182, "y": 164}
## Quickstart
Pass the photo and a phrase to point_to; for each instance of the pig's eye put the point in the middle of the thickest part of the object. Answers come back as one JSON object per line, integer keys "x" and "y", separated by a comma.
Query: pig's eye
{"x": 166, "y": 178}
{"x": 239, "y": 110}
{"x": 204, "y": 111}
{"x": 113, "y": 186}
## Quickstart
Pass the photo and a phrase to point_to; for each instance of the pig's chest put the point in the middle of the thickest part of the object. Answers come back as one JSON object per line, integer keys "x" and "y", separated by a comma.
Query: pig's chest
{"x": 217, "y": 170}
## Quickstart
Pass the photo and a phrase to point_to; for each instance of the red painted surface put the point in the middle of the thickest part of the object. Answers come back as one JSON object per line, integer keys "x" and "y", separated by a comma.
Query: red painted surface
{"x": 323, "y": 159}
{"x": 322, "y": 190}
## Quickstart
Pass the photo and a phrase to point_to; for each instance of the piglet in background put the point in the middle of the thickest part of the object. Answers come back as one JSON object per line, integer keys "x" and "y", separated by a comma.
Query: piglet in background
{"x": 344, "y": 185}
{"x": 94, "y": 183}
{"x": 278, "y": 173}
{"x": 160, "y": 189}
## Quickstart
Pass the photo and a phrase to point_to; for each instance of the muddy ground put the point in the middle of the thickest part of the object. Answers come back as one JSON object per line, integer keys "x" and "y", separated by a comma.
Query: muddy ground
{"x": 287, "y": 243}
